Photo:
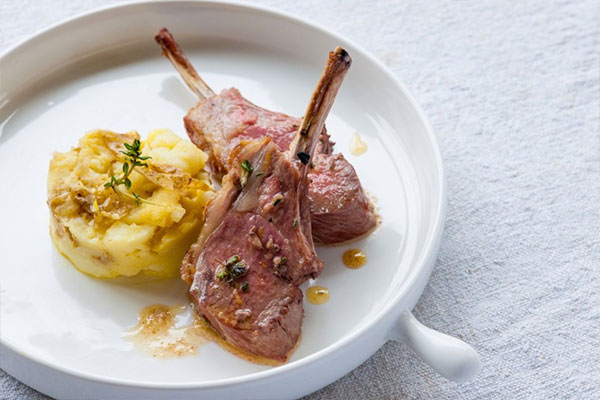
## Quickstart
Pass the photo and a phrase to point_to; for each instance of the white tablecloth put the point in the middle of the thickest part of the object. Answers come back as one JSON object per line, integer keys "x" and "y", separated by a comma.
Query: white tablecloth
{"x": 512, "y": 89}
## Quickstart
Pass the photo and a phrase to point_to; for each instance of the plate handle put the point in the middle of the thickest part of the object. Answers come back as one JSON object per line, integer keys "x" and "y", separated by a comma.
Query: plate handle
{"x": 450, "y": 357}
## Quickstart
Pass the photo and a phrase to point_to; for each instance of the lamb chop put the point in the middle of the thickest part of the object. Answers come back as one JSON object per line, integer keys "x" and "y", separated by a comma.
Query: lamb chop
{"x": 339, "y": 207}
{"x": 256, "y": 245}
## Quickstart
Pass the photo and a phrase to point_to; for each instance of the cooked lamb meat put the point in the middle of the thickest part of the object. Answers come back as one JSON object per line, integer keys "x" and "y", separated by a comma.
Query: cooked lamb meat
{"x": 219, "y": 122}
{"x": 256, "y": 245}
{"x": 339, "y": 207}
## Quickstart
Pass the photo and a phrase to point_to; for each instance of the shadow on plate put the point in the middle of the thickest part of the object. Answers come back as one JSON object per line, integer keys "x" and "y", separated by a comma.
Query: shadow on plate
{"x": 174, "y": 91}
{"x": 118, "y": 299}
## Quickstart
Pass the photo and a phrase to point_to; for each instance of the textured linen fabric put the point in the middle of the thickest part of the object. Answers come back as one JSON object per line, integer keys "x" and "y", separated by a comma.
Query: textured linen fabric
{"x": 512, "y": 90}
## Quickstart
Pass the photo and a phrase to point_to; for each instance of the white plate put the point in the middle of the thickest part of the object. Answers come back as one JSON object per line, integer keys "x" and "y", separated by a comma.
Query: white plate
{"x": 62, "y": 332}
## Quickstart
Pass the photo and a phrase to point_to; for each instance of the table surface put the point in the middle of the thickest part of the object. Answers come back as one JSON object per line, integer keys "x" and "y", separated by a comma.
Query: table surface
{"x": 512, "y": 90}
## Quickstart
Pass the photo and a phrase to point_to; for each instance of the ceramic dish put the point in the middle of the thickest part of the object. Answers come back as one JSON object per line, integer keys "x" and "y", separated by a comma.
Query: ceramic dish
{"x": 62, "y": 332}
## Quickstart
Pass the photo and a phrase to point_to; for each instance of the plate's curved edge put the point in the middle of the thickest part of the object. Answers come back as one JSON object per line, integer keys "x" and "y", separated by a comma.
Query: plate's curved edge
{"x": 416, "y": 279}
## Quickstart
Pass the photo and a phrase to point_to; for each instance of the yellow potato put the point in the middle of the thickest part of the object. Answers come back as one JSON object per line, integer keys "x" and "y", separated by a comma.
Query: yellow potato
{"x": 106, "y": 233}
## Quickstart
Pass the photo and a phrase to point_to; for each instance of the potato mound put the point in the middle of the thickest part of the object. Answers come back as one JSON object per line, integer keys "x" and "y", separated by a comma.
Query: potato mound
{"x": 106, "y": 233}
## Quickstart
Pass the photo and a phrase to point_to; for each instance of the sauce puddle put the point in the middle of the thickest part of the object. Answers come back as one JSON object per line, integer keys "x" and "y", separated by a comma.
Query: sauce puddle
{"x": 171, "y": 332}
{"x": 354, "y": 258}
{"x": 317, "y": 295}
{"x": 158, "y": 335}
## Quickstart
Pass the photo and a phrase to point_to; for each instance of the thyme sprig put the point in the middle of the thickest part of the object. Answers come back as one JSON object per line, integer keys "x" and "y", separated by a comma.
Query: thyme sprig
{"x": 133, "y": 158}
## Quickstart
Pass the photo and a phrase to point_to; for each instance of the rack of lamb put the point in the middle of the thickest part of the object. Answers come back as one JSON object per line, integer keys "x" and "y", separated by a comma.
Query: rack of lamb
{"x": 256, "y": 246}
{"x": 339, "y": 206}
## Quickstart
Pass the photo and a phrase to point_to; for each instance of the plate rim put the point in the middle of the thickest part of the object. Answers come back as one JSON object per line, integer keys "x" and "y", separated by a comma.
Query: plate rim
{"x": 419, "y": 274}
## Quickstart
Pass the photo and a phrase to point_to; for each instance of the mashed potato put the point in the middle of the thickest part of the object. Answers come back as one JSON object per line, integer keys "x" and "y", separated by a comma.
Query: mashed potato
{"x": 107, "y": 234}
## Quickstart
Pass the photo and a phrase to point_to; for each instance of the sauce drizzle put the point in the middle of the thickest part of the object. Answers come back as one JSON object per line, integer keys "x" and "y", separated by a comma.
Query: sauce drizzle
{"x": 354, "y": 258}
{"x": 317, "y": 295}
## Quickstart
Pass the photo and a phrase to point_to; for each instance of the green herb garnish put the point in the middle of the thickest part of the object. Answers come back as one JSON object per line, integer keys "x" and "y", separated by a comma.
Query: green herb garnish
{"x": 237, "y": 270}
{"x": 259, "y": 174}
{"x": 295, "y": 222}
{"x": 247, "y": 166}
{"x": 232, "y": 260}
{"x": 247, "y": 171}
{"x": 245, "y": 287}
{"x": 222, "y": 273}
{"x": 232, "y": 270}
{"x": 133, "y": 158}
{"x": 276, "y": 202}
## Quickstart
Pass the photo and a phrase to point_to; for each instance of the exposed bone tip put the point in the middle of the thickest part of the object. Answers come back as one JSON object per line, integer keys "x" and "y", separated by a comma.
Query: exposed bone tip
{"x": 341, "y": 54}
{"x": 162, "y": 35}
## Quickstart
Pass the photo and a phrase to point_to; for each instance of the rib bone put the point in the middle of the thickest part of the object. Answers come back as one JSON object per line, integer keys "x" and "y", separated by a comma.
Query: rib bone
{"x": 172, "y": 51}
{"x": 320, "y": 104}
